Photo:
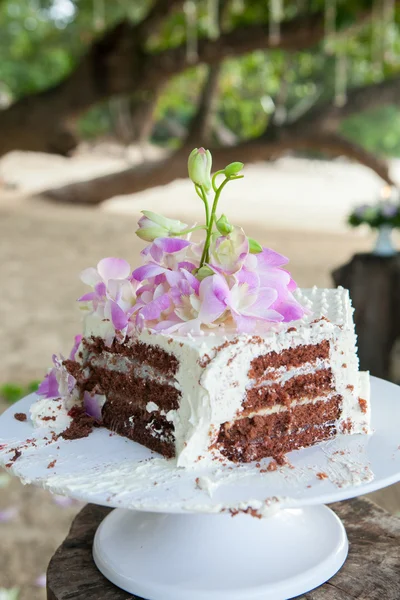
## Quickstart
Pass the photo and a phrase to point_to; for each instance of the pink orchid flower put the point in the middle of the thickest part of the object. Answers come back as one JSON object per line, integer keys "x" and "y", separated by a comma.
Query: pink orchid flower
{"x": 58, "y": 381}
{"x": 114, "y": 292}
{"x": 229, "y": 252}
{"x": 167, "y": 252}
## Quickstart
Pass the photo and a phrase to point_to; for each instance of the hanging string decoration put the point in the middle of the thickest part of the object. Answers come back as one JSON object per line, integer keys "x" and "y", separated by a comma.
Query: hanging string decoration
{"x": 238, "y": 7}
{"x": 213, "y": 19}
{"x": 275, "y": 19}
{"x": 389, "y": 25}
{"x": 330, "y": 13}
{"x": 341, "y": 78}
{"x": 99, "y": 14}
{"x": 190, "y": 9}
{"x": 377, "y": 38}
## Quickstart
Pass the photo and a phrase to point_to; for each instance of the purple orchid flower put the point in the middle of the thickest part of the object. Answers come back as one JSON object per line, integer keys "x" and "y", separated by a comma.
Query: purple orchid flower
{"x": 58, "y": 381}
{"x": 93, "y": 404}
{"x": 77, "y": 341}
{"x": 48, "y": 388}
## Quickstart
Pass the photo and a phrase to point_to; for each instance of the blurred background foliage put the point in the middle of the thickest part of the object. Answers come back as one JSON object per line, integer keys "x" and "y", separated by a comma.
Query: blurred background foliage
{"x": 42, "y": 40}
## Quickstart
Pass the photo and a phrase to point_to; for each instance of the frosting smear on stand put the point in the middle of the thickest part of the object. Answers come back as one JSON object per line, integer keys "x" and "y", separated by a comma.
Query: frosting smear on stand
{"x": 207, "y": 351}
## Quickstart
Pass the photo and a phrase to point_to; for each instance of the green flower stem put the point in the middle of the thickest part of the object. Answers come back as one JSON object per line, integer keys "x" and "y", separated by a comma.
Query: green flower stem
{"x": 189, "y": 230}
{"x": 202, "y": 194}
{"x": 214, "y": 185}
{"x": 205, "y": 257}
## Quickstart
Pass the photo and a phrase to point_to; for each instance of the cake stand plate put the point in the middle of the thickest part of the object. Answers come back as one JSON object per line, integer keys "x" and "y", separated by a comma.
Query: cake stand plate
{"x": 204, "y": 557}
{"x": 187, "y": 552}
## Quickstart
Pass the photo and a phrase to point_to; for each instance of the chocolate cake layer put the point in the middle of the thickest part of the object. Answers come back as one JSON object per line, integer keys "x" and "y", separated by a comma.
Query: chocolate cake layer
{"x": 258, "y": 437}
{"x": 135, "y": 391}
{"x": 311, "y": 385}
{"x": 153, "y": 356}
{"x": 291, "y": 358}
{"x": 149, "y": 429}
{"x": 264, "y": 448}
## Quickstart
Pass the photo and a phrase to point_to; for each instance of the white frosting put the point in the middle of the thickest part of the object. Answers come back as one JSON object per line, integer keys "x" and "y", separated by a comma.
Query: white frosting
{"x": 213, "y": 369}
{"x": 51, "y": 413}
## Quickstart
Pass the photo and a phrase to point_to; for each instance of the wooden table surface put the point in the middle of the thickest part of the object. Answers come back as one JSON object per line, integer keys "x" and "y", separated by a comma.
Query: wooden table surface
{"x": 371, "y": 572}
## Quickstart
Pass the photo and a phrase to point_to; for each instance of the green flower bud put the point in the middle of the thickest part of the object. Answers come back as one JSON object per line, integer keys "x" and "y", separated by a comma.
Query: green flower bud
{"x": 254, "y": 247}
{"x": 233, "y": 169}
{"x": 199, "y": 167}
{"x": 223, "y": 225}
{"x": 204, "y": 272}
{"x": 152, "y": 226}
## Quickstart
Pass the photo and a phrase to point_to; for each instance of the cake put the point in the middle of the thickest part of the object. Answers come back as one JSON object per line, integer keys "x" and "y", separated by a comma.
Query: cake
{"x": 208, "y": 352}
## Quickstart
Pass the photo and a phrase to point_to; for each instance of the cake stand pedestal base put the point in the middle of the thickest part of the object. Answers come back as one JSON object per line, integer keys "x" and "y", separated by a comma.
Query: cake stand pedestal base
{"x": 197, "y": 557}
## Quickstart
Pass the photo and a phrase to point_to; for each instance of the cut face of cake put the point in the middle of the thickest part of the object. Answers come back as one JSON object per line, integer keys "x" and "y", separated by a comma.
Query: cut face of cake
{"x": 235, "y": 397}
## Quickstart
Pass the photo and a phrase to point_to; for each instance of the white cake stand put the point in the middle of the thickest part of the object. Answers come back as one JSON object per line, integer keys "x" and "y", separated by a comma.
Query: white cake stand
{"x": 172, "y": 537}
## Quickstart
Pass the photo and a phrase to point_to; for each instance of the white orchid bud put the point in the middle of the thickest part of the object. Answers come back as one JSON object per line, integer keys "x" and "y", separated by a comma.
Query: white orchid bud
{"x": 199, "y": 167}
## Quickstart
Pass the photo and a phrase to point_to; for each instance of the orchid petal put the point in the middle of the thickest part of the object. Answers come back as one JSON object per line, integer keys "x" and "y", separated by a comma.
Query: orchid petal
{"x": 77, "y": 341}
{"x": 118, "y": 317}
{"x": 90, "y": 276}
{"x": 265, "y": 298}
{"x": 49, "y": 386}
{"x": 214, "y": 292}
{"x": 147, "y": 271}
{"x": 113, "y": 268}
{"x": 171, "y": 245}
{"x": 93, "y": 405}
{"x": 154, "y": 309}
{"x": 270, "y": 258}
{"x": 100, "y": 289}
{"x": 88, "y": 297}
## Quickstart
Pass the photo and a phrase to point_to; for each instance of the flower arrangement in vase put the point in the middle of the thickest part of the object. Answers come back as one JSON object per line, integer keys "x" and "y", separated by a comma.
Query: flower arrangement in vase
{"x": 384, "y": 216}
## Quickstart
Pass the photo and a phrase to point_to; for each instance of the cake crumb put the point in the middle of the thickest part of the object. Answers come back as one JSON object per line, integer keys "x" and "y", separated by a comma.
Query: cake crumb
{"x": 291, "y": 329}
{"x": 350, "y": 387}
{"x": 363, "y": 405}
{"x": 344, "y": 366}
{"x": 17, "y": 454}
{"x": 20, "y": 417}
{"x": 322, "y": 476}
{"x": 52, "y": 464}
{"x": 273, "y": 465}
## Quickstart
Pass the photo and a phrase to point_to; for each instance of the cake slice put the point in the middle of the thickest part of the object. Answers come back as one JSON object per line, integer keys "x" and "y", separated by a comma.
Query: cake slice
{"x": 235, "y": 397}
{"x": 208, "y": 352}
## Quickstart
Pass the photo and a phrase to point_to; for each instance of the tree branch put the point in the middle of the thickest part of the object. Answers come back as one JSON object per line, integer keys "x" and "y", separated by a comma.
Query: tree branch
{"x": 200, "y": 128}
{"x": 161, "y": 172}
{"x": 116, "y": 64}
{"x": 325, "y": 116}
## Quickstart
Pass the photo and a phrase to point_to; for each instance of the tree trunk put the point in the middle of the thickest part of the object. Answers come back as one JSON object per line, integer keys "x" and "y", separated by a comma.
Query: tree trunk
{"x": 201, "y": 127}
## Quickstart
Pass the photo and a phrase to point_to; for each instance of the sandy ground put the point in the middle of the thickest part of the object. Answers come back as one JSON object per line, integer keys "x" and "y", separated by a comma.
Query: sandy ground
{"x": 297, "y": 207}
